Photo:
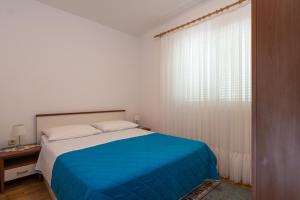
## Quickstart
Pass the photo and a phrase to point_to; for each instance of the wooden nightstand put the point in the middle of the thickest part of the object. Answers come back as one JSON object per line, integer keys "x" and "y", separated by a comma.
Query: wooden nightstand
{"x": 145, "y": 128}
{"x": 17, "y": 164}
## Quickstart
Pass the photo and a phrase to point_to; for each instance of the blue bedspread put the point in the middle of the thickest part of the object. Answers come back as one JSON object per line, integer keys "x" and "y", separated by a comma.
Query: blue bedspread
{"x": 150, "y": 167}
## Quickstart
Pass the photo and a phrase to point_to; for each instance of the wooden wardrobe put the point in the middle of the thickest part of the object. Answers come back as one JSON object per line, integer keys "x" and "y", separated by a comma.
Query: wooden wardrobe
{"x": 276, "y": 99}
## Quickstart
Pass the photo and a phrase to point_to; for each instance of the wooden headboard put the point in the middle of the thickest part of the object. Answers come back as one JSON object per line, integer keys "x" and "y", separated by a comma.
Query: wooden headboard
{"x": 44, "y": 121}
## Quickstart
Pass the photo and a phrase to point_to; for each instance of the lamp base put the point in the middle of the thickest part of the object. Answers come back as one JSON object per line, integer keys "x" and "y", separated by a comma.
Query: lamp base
{"x": 20, "y": 147}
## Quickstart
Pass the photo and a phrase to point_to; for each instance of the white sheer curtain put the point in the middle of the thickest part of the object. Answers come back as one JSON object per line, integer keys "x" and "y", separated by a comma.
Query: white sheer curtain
{"x": 206, "y": 88}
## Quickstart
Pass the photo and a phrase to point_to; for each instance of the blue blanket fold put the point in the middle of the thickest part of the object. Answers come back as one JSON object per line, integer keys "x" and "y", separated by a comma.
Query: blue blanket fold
{"x": 150, "y": 167}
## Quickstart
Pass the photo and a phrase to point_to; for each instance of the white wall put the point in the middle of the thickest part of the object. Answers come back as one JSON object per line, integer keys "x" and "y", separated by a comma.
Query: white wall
{"x": 52, "y": 61}
{"x": 150, "y": 62}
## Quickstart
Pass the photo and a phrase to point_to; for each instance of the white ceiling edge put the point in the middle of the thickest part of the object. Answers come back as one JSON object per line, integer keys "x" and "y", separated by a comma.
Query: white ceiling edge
{"x": 139, "y": 24}
{"x": 204, "y": 8}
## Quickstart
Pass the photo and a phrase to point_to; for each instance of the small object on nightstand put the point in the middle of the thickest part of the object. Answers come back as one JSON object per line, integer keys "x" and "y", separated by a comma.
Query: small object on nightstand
{"x": 17, "y": 162}
{"x": 11, "y": 142}
{"x": 145, "y": 128}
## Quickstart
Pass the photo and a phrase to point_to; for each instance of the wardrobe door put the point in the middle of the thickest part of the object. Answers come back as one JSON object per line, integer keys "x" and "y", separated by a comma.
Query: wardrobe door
{"x": 276, "y": 99}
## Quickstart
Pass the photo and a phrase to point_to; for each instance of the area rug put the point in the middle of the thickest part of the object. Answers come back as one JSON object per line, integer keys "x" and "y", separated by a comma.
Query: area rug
{"x": 217, "y": 190}
{"x": 202, "y": 190}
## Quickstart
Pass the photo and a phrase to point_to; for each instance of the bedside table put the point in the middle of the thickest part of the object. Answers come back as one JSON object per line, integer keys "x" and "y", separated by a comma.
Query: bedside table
{"x": 17, "y": 164}
{"x": 145, "y": 128}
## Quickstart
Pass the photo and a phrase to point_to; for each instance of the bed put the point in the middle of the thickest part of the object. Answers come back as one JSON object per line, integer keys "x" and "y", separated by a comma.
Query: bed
{"x": 131, "y": 164}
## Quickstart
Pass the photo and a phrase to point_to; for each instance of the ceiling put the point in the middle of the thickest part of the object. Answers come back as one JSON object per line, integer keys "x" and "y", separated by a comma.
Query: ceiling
{"x": 131, "y": 16}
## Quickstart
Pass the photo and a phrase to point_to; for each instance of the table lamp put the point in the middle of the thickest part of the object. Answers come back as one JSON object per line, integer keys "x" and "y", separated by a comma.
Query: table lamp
{"x": 18, "y": 131}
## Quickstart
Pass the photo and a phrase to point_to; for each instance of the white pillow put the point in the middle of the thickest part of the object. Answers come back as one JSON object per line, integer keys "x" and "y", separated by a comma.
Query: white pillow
{"x": 106, "y": 126}
{"x": 71, "y": 131}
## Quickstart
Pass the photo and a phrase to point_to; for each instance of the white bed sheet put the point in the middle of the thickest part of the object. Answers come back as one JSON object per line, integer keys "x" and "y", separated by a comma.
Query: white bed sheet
{"x": 52, "y": 149}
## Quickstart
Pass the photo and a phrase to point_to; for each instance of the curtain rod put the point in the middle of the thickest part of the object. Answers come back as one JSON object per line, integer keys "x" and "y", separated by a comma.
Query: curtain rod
{"x": 216, "y": 12}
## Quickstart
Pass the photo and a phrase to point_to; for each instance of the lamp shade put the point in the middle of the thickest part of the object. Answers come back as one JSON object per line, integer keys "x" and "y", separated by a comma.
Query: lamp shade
{"x": 18, "y": 130}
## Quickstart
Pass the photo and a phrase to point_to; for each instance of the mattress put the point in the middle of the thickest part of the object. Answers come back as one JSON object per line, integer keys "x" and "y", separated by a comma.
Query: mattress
{"x": 52, "y": 149}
